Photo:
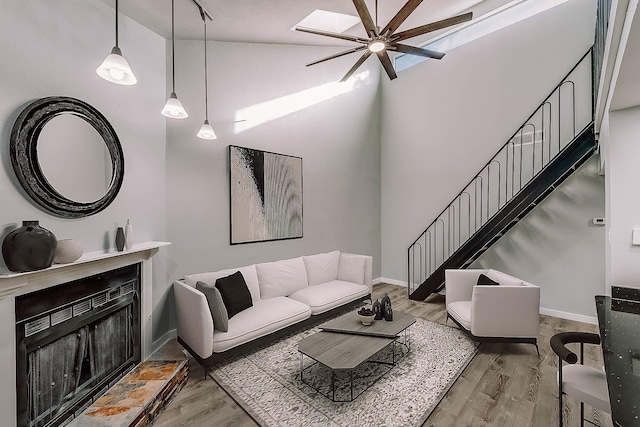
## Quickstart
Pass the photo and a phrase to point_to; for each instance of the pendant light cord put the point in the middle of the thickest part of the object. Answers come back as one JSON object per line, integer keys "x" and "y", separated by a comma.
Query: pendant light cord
{"x": 376, "y": 13}
{"x": 116, "y": 23}
{"x": 206, "y": 85}
{"x": 173, "y": 49}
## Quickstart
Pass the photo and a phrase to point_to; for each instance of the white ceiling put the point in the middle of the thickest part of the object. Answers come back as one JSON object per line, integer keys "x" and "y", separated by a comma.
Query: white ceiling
{"x": 256, "y": 21}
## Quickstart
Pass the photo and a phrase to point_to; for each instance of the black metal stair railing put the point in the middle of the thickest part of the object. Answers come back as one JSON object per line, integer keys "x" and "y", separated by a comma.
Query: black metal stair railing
{"x": 542, "y": 152}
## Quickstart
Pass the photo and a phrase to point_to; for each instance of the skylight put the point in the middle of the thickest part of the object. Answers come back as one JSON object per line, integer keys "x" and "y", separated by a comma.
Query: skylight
{"x": 328, "y": 21}
{"x": 491, "y": 22}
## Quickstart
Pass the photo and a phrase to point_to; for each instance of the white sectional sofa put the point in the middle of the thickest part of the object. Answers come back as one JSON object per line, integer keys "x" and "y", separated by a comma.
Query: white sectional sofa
{"x": 285, "y": 294}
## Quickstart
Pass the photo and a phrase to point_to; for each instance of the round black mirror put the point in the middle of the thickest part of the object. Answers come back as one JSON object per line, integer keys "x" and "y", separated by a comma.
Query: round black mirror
{"x": 70, "y": 169}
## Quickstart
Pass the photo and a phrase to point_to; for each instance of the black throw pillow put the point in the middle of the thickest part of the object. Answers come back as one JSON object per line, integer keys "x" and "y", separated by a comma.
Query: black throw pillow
{"x": 235, "y": 293}
{"x": 486, "y": 281}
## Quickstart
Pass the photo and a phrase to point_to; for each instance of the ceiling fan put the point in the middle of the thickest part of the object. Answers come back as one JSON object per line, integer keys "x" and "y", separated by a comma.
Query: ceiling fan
{"x": 381, "y": 41}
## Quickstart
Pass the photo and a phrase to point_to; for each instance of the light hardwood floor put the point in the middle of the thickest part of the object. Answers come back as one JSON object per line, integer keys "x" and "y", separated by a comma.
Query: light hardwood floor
{"x": 504, "y": 385}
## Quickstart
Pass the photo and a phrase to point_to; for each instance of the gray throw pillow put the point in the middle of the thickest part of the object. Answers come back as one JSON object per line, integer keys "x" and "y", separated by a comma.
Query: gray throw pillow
{"x": 216, "y": 306}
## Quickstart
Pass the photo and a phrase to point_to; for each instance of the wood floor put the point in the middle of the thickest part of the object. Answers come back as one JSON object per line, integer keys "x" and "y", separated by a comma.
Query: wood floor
{"x": 504, "y": 385}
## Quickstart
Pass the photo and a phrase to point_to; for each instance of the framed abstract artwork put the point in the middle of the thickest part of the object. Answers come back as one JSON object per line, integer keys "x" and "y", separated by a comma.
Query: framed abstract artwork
{"x": 266, "y": 196}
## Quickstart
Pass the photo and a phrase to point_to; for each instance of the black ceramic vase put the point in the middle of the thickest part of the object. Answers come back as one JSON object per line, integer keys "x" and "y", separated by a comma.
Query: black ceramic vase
{"x": 387, "y": 312}
{"x": 377, "y": 310}
{"x": 29, "y": 248}
{"x": 120, "y": 239}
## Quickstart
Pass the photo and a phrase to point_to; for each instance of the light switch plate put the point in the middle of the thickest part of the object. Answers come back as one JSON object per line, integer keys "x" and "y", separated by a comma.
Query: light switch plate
{"x": 635, "y": 240}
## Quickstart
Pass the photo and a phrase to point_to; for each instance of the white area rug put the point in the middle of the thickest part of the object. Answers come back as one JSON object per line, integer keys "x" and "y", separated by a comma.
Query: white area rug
{"x": 267, "y": 383}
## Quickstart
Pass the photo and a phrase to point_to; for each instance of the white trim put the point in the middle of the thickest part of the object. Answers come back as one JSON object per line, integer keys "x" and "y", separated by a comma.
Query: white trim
{"x": 389, "y": 281}
{"x": 569, "y": 316}
{"x": 168, "y": 336}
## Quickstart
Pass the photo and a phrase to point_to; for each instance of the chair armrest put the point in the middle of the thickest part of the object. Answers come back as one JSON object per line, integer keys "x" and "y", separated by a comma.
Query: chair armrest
{"x": 195, "y": 324}
{"x": 459, "y": 284}
{"x": 505, "y": 311}
{"x": 558, "y": 343}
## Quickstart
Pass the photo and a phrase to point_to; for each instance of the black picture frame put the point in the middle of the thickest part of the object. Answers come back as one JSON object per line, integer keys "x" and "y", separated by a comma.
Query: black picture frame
{"x": 265, "y": 196}
{"x": 24, "y": 156}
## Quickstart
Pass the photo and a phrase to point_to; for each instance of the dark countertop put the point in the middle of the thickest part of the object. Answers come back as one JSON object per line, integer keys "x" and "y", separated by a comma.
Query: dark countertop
{"x": 619, "y": 321}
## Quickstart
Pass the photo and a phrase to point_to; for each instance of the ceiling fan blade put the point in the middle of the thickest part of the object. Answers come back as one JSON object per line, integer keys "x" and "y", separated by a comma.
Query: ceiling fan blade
{"x": 386, "y": 63}
{"x": 411, "y": 50}
{"x": 334, "y": 35}
{"x": 365, "y": 17}
{"x": 338, "y": 55}
{"x": 434, "y": 26}
{"x": 403, "y": 14}
{"x": 358, "y": 63}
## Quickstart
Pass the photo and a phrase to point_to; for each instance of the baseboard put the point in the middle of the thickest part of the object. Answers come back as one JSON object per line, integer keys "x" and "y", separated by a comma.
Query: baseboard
{"x": 569, "y": 316}
{"x": 157, "y": 344}
{"x": 389, "y": 281}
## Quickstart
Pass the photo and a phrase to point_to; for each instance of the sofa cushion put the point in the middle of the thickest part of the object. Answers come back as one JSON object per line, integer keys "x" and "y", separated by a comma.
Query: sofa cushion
{"x": 216, "y": 306}
{"x": 486, "y": 281}
{"x": 234, "y": 292}
{"x": 504, "y": 279}
{"x": 351, "y": 268}
{"x": 329, "y": 295}
{"x": 322, "y": 268}
{"x": 281, "y": 278}
{"x": 264, "y": 317}
{"x": 248, "y": 272}
{"x": 461, "y": 311}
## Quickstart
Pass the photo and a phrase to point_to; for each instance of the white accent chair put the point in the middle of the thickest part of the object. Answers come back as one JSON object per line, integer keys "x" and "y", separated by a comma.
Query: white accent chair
{"x": 507, "y": 312}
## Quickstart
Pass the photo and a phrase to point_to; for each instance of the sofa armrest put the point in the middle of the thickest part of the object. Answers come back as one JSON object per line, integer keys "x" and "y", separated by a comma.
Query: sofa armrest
{"x": 505, "y": 311}
{"x": 195, "y": 324}
{"x": 459, "y": 284}
{"x": 368, "y": 270}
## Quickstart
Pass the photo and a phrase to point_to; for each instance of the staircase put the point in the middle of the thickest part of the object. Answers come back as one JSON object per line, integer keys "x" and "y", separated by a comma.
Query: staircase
{"x": 556, "y": 139}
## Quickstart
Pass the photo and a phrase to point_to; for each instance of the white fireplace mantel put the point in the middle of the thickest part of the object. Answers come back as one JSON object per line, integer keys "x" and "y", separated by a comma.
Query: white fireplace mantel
{"x": 15, "y": 284}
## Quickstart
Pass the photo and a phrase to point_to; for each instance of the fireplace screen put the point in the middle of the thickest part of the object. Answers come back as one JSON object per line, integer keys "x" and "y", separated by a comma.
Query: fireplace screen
{"x": 73, "y": 352}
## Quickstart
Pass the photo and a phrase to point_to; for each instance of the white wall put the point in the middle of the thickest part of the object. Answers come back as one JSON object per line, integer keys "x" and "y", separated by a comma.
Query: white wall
{"x": 622, "y": 177}
{"x": 337, "y": 138}
{"x": 557, "y": 247}
{"x": 443, "y": 120}
{"x": 53, "y": 48}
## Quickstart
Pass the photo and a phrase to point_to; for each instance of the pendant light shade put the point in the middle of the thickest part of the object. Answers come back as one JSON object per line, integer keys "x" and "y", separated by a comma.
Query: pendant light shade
{"x": 115, "y": 68}
{"x": 173, "y": 108}
{"x": 206, "y": 131}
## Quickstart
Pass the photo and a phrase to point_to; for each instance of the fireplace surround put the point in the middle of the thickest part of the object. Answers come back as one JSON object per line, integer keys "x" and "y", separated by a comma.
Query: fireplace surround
{"x": 15, "y": 286}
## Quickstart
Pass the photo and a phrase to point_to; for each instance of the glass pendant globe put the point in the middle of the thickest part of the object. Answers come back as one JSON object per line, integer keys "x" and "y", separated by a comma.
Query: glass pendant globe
{"x": 173, "y": 109}
{"x": 206, "y": 131}
{"x": 116, "y": 69}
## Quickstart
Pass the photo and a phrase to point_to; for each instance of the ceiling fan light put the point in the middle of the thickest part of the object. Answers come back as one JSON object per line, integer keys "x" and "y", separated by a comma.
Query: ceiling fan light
{"x": 116, "y": 69}
{"x": 377, "y": 46}
{"x": 173, "y": 108}
{"x": 206, "y": 131}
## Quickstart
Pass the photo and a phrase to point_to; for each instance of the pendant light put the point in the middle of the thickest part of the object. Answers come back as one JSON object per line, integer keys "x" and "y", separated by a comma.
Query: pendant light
{"x": 173, "y": 108}
{"x": 206, "y": 131}
{"x": 115, "y": 68}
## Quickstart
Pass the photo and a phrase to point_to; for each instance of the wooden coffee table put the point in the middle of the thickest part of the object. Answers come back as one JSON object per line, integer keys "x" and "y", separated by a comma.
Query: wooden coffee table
{"x": 344, "y": 344}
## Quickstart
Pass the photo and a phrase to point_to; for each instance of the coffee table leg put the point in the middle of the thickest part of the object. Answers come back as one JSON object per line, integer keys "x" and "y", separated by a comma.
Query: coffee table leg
{"x": 333, "y": 385}
{"x": 301, "y": 367}
{"x": 351, "y": 380}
